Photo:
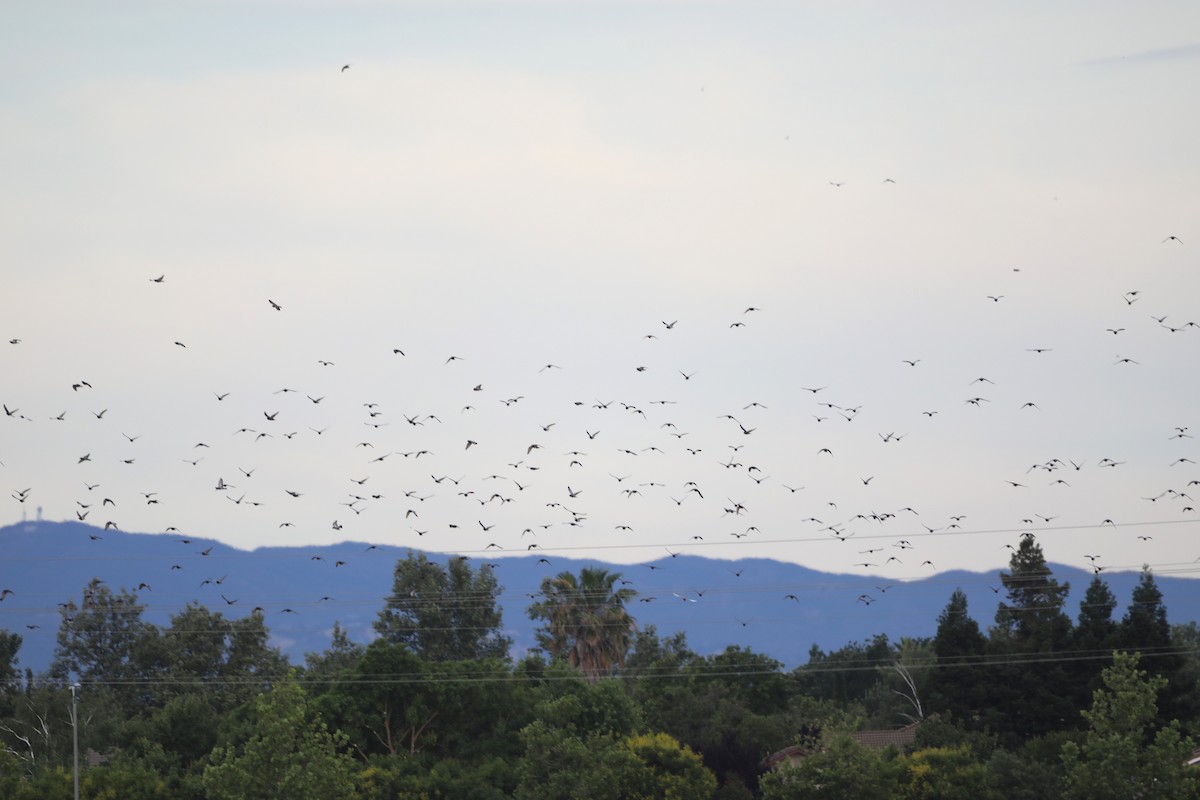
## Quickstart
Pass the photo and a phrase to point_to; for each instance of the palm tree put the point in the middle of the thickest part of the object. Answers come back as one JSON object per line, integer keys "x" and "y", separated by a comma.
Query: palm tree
{"x": 585, "y": 620}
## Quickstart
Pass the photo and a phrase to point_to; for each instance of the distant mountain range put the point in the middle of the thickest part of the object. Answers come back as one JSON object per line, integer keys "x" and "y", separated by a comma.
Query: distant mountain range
{"x": 717, "y": 603}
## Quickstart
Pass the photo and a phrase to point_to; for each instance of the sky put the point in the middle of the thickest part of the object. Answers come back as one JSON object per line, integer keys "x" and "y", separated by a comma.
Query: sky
{"x": 610, "y": 279}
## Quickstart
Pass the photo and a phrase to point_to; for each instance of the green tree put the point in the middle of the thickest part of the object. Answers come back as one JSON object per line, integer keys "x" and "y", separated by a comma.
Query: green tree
{"x": 1186, "y": 705}
{"x": 1094, "y": 637}
{"x": 570, "y": 751}
{"x": 102, "y": 641}
{"x": 1145, "y": 625}
{"x": 754, "y": 680}
{"x": 1121, "y": 755}
{"x": 585, "y": 620}
{"x": 1145, "y": 629}
{"x": 341, "y": 655}
{"x": 228, "y": 660}
{"x": 443, "y": 613}
{"x": 942, "y": 731}
{"x": 732, "y": 708}
{"x": 290, "y": 754}
{"x": 842, "y": 770}
{"x": 38, "y": 729}
{"x": 667, "y": 770}
{"x": 959, "y": 682}
{"x": 570, "y": 748}
{"x": 567, "y": 702}
{"x": 958, "y": 638}
{"x": 389, "y": 703}
{"x": 1031, "y": 628}
{"x": 946, "y": 773}
{"x": 52, "y": 783}
{"x": 1024, "y": 774}
{"x": 10, "y": 645}
{"x": 12, "y": 774}
{"x": 561, "y": 765}
{"x": 1095, "y": 628}
{"x": 712, "y": 717}
{"x": 652, "y": 656}
{"x": 1036, "y": 597}
{"x": 394, "y": 704}
{"x": 558, "y": 765}
{"x": 125, "y": 779}
{"x": 847, "y": 674}
{"x": 186, "y": 727}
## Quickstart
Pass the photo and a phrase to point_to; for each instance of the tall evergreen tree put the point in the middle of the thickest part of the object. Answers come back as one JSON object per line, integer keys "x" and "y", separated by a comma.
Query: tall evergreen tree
{"x": 1034, "y": 692}
{"x": 1034, "y": 612}
{"x": 1095, "y": 637}
{"x": 1145, "y": 627}
{"x": 958, "y": 636}
{"x": 1096, "y": 629}
{"x": 958, "y": 682}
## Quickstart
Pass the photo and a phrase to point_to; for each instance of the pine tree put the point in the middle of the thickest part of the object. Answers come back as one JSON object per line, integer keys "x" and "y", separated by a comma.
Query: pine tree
{"x": 1035, "y": 615}
{"x": 1035, "y": 693}
{"x": 1095, "y": 637}
{"x": 1096, "y": 629}
{"x": 958, "y": 636}
{"x": 957, "y": 683}
{"x": 1145, "y": 627}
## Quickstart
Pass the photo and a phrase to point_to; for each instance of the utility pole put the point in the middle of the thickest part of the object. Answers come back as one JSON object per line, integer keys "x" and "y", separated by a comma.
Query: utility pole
{"x": 75, "y": 734}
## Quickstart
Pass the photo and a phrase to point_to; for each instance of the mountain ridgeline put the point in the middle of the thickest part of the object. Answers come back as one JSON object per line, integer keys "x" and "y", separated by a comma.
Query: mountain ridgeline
{"x": 780, "y": 610}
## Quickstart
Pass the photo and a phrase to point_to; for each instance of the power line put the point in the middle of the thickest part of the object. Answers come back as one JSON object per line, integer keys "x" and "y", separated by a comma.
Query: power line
{"x": 684, "y": 671}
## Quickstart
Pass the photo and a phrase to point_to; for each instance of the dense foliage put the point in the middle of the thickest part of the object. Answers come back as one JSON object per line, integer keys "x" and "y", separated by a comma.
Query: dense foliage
{"x": 1035, "y": 706}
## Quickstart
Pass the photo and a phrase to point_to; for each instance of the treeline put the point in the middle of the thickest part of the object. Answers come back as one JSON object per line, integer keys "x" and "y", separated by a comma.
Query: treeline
{"x": 1036, "y": 706}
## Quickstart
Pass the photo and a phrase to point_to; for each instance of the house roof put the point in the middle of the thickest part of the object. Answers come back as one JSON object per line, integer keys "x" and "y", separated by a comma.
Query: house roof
{"x": 875, "y": 740}
{"x": 881, "y": 740}
{"x": 787, "y": 754}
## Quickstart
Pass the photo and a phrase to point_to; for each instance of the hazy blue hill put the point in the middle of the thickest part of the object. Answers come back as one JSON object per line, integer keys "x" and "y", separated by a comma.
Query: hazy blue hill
{"x": 48, "y": 563}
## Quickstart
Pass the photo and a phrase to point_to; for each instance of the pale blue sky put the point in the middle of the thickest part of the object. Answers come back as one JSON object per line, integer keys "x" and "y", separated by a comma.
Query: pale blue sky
{"x": 530, "y": 183}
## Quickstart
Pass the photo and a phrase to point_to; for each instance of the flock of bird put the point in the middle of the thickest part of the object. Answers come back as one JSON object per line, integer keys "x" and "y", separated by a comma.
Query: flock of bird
{"x": 476, "y": 455}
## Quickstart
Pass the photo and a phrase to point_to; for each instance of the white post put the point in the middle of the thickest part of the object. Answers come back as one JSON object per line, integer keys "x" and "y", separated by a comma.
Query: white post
{"x": 75, "y": 734}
